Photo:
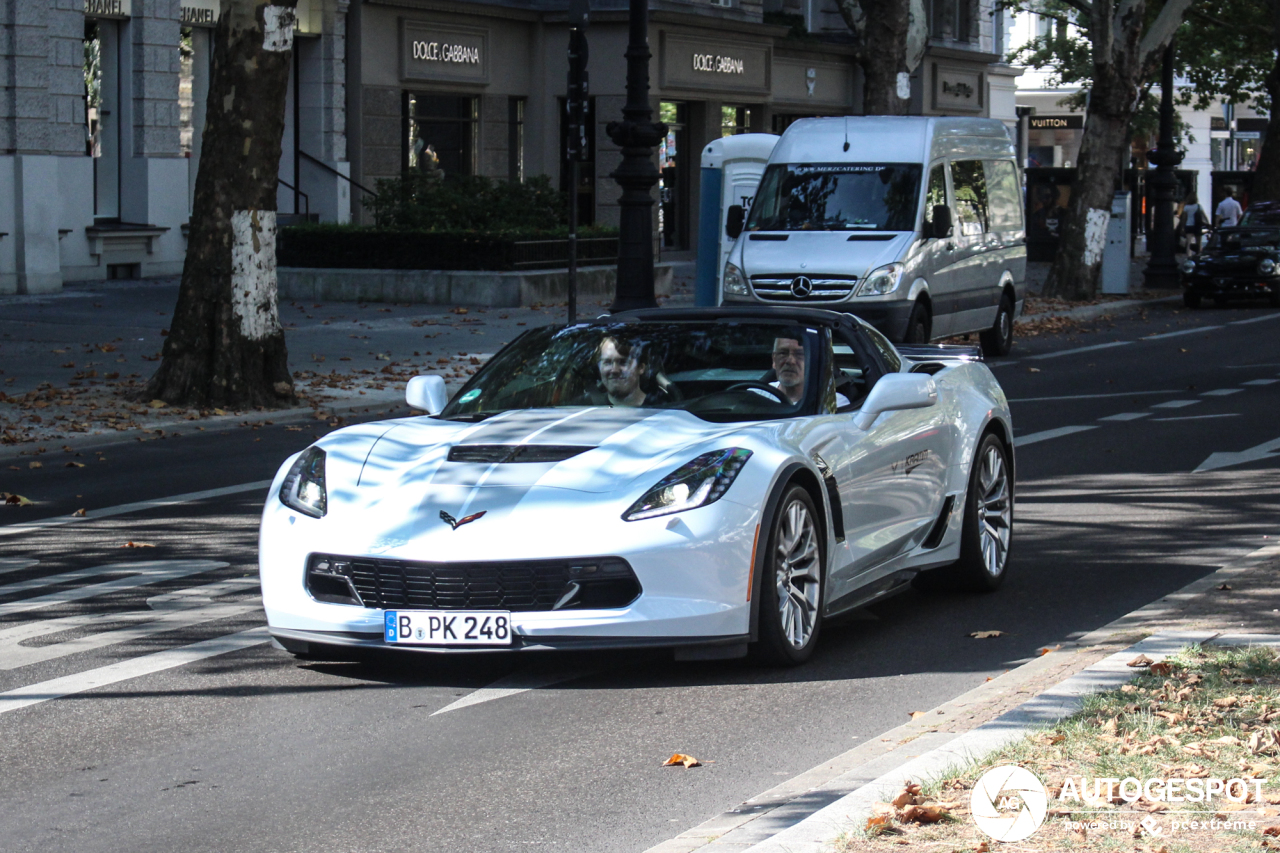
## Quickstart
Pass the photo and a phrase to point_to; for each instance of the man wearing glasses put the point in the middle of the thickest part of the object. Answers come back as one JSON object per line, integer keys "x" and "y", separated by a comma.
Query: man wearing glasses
{"x": 788, "y": 365}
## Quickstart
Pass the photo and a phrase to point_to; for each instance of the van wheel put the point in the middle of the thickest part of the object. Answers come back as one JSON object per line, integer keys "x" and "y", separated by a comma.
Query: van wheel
{"x": 919, "y": 325}
{"x": 998, "y": 340}
{"x": 1191, "y": 299}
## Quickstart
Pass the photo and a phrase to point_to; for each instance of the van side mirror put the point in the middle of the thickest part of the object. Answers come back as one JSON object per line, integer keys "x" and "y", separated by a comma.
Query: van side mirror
{"x": 737, "y": 218}
{"x": 941, "y": 221}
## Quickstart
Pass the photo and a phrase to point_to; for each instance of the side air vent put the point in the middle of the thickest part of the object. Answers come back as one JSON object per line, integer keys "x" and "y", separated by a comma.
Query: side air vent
{"x": 495, "y": 454}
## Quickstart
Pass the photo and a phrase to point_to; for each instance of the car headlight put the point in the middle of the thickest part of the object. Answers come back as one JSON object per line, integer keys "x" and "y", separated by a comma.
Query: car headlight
{"x": 734, "y": 282}
{"x": 699, "y": 482}
{"x": 881, "y": 280}
{"x": 303, "y": 488}
{"x": 1188, "y": 266}
{"x": 1266, "y": 266}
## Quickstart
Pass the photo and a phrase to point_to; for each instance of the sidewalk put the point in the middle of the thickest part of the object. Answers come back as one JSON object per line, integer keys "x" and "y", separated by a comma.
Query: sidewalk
{"x": 807, "y": 813}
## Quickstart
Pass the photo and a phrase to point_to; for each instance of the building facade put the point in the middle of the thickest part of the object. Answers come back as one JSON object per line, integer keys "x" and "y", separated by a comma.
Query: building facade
{"x": 102, "y": 107}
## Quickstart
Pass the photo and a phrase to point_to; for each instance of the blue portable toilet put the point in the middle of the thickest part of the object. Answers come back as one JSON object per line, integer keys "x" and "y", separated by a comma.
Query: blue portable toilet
{"x": 731, "y": 171}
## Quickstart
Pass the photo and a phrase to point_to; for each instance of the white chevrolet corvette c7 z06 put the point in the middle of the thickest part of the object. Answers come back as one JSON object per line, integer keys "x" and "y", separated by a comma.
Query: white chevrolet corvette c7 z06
{"x": 711, "y": 480}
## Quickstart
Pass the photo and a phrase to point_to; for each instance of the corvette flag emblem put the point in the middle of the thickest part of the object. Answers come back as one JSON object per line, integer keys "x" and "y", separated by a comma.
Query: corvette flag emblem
{"x": 455, "y": 523}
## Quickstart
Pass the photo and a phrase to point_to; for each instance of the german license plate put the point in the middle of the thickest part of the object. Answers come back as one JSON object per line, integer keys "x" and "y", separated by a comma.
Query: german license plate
{"x": 448, "y": 627}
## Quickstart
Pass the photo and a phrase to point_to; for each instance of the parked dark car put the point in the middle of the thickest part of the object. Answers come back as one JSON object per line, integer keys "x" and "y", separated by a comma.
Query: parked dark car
{"x": 1237, "y": 263}
{"x": 1262, "y": 214}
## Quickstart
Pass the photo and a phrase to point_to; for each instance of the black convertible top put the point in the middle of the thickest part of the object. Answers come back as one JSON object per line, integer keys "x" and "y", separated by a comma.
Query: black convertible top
{"x": 773, "y": 313}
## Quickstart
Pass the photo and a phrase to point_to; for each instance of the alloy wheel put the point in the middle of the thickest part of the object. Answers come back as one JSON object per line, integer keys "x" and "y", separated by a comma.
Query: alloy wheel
{"x": 995, "y": 512}
{"x": 798, "y": 564}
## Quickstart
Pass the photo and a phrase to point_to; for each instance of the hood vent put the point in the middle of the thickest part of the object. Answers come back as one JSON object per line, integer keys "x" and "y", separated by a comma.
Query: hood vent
{"x": 496, "y": 454}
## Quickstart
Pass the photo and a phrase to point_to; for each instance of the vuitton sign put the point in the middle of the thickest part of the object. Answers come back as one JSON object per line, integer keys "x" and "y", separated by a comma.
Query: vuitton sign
{"x": 689, "y": 62}
{"x": 1056, "y": 122}
{"x": 445, "y": 53}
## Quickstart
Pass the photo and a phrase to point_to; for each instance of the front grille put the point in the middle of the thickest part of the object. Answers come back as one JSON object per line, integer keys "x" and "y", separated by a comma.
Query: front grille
{"x": 506, "y": 453}
{"x": 830, "y": 288}
{"x": 518, "y": 585}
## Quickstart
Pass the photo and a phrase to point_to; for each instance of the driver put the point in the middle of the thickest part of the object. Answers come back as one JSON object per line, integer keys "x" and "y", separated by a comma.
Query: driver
{"x": 788, "y": 364}
{"x": 621, "y": 366}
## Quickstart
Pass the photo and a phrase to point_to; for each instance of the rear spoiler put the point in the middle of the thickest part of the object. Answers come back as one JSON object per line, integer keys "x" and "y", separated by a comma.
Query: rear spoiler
{"x": 930, "y": 358}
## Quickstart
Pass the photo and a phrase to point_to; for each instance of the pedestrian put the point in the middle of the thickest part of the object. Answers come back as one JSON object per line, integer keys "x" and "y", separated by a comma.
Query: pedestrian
{"x": 1229, "y": 211}
{"x": 1194, "y": 220}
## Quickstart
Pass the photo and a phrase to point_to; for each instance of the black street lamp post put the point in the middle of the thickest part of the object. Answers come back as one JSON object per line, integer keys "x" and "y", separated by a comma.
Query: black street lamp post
{"x": 1162, "y": 270}
{"x": 636, "y": 135}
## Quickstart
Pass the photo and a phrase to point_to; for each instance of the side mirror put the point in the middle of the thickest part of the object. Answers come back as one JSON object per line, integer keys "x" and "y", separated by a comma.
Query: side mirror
{"x": 737, "y": 218}
{"x": 426, "y": 393}
{"x": 941, "y": 221}
{"x": 896, "y": 391}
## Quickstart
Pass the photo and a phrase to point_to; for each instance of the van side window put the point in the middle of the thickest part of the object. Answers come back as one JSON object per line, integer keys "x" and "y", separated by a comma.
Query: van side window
{"x": 1003, "y": 198}
{"x": 936, "y": 194}
{"x": 971, "y": 196}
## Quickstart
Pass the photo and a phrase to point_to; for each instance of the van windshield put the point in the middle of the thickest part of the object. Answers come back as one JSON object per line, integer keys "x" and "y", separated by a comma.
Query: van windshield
{"x": 837, "y": 197}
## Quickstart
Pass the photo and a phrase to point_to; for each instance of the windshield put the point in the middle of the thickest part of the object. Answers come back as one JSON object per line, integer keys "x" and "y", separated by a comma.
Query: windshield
{"x": 1262, "y": 215}
{"x": 837, "y": 197}
{"x": 1237, "y": 239}
{"x": 718, "y": 371}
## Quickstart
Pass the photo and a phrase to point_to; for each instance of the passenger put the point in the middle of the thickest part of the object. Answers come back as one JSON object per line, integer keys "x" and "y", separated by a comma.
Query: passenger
{"x": 622, "y": 365}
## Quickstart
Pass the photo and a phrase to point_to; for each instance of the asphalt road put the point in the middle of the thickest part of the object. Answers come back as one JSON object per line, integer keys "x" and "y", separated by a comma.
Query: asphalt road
{"x": 124, "y": 730}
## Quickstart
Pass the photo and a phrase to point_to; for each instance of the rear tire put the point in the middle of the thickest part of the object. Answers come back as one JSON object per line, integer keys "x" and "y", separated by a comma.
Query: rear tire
{"x": 919, "y": 325}
{"x": 987, "y": 528}
{"x": 998, "y": 340}
{"x": 791, "y": 590}
{"x": 1190, "y": 299}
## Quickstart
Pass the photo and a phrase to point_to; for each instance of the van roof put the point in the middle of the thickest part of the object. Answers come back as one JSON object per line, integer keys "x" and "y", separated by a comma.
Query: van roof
{"x": 891, "y": 139}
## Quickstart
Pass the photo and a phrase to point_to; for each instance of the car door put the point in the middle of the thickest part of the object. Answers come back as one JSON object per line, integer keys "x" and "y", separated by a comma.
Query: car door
{"x": 889, "y": 477}
{"x": 939, "y": 262}
{"x": 977, "y": 293}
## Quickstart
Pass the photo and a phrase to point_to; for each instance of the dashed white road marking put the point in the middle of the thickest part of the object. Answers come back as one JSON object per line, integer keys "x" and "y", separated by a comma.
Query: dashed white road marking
{"x": 139, "y": 506}
{"x": 10, "y": 564}
{"x": 1221, "y": 392}
{"x": 1180, "y": 332}
{"x": 1126, "y": 416}
{"x": 1032, "y": 438}
{"x": 34, "y": 694}
{"x": 1174, "y": 404}
{"x": 1261, "y": 382}
{"x": 1078, "y": 349}
{"x": 1254, "y": 319}
{"x": 1094, "y": 396}
{"x": 510, "y": 685}
{"x": 140, "y": 574}
{"x": 1196, "y": 417}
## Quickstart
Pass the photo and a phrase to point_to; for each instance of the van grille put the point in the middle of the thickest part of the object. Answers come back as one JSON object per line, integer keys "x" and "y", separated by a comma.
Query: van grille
{"x": 828, "y": 288}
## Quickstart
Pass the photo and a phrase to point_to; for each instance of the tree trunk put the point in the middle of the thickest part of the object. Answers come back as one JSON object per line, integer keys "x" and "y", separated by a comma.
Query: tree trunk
{"x": 226, "y": 346}
{"x": 1074, "y": 274}
{"x": 1266, "y": 180}
{"x": 881, "y": 28}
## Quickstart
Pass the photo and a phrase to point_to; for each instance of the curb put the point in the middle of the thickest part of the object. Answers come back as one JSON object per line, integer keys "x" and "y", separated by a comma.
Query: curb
{"x": 806, "y": 813}
{"x": 1102, "y": 309}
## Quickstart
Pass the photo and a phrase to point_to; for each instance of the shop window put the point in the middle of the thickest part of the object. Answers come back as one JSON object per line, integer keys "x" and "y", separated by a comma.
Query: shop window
{"x": 954, "y": 20}
{"x": 515, "y": 140}
{"x": 440, "y": 133}
{"x": 101, "y": 99}
{"x": 673, "y": 181}
{"x": 186, "y": 99}
{"x": 734, "y": 120}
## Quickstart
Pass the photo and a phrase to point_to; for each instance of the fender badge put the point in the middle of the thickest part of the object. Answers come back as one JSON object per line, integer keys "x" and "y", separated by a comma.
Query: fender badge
{"x": 455, "y": 523}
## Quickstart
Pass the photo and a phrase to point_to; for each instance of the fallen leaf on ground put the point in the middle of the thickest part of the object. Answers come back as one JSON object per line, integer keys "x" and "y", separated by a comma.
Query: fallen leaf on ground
{"x": 1141, "y": 660}
{"x": 1264, "y": 740}
{"x": 1047, "y": 649}
{"x": 880, "y": 824}
{"x": 1226, "y": 702}
{"x": 915, "y": 715}
{"x": 924, "y": 813}
{"x": 74, "y": 465}
{"x": 137, "y": 545}
{"x": 1273, "y": 831}
{"x": 79, "y": 513}
{"x": 1033, "y": 370}
{"x": 157, "y": 404}
{"x": 682, "y": 759}
{"x": 986, "y": 635}
{"x": 1225, "y": 587}
{"x": 35, "y": 465}
{"x": 1161, "y": 668}
{"x": 14, "y": 500}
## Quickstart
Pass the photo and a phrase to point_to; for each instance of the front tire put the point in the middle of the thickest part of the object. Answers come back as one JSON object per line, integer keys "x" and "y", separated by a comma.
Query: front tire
{"x": 1191, "y": 299}
{"x": 919, "y": 324}
{"x": 998, "y": 340}
{"x": 792, "y": 586}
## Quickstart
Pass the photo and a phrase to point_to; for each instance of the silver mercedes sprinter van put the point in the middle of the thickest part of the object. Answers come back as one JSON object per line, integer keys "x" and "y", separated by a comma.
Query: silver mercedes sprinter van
{"x": 913, "y": 223}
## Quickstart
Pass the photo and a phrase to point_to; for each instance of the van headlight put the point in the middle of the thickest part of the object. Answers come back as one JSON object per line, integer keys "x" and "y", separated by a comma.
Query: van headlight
{"x": 881, "y": 281}
{"x": 734, "y": 281}
{"x": 303, "y": 488}
{"x": 1188, "y": 266}
{"x": 1266, "y": 266}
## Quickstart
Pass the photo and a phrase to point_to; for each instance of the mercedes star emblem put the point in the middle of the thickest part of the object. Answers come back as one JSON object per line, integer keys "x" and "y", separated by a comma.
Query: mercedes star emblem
{"x": 801, "y": 286}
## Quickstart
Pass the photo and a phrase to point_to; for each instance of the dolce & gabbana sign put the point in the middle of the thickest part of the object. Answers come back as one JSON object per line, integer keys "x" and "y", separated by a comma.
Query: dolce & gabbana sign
{"x": 447, "y": 53}
{"x": 698, "y": 63}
